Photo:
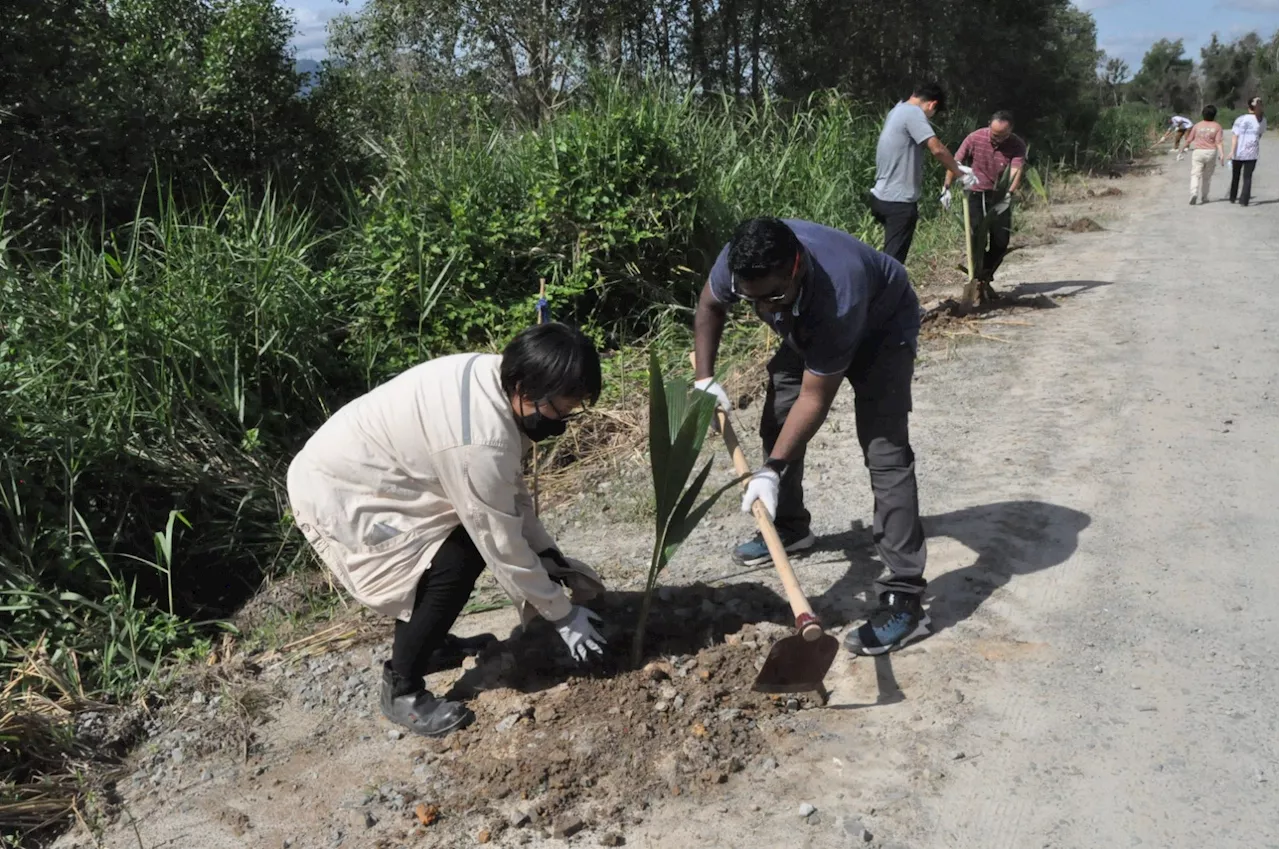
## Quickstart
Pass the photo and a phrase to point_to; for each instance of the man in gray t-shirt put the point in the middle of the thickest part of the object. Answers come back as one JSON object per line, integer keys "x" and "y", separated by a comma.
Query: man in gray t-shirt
{"x": 900, "y": 166}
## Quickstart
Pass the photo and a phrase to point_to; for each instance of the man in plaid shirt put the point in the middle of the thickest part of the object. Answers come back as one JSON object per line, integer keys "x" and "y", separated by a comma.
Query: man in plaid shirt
{"x": 990, "y": 151}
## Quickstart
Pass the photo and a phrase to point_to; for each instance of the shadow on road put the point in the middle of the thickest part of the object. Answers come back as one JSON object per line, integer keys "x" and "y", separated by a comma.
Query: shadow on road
{"x": 1049, "y": 287}
{"x": 1009, "y": 538}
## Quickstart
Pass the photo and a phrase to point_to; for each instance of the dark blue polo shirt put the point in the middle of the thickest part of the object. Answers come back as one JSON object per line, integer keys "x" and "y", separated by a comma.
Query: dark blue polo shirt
{"x": 852, "y": 295}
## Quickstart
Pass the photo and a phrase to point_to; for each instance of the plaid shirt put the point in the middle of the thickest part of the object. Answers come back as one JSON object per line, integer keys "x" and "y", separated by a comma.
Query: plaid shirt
{"x": 989, "y": 160}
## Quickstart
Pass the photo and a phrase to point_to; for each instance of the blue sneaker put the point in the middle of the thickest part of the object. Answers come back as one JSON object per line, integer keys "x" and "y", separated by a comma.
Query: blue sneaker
{"x": 755, "y": 553}
{"x": 899, "y": 620}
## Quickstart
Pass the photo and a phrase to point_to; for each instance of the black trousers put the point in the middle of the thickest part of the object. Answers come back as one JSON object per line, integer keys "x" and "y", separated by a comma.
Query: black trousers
{"x": 899, "y": 222}
{"x": 989, "y": 251}
{"x": 442, "y": 592}
{"x": 1242, "y": 169}
{"x": 881, "y": 378}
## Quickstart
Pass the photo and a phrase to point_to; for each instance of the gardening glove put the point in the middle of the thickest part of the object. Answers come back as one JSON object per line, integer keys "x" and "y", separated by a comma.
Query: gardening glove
{"x": 1179, "y": 156}
{"x": 763, "y": 487}
{"x": 579, "y": 634}
{"x": 968, "y": 179}
{"x": 578, "y": 578}
{"x": 945, "y": 199}
{"x": 1003, "y": 206}
{"x": 709, "y": 385}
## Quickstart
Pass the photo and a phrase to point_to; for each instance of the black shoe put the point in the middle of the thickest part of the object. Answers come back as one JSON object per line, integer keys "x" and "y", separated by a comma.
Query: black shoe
{"x": 897, "y": 621}
{"x": 418, "y": 710}
{"x": 1193, "y": 201}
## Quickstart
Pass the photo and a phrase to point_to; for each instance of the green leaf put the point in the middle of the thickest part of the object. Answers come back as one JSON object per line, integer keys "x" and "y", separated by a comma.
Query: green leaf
{"x": 659, "y": 439}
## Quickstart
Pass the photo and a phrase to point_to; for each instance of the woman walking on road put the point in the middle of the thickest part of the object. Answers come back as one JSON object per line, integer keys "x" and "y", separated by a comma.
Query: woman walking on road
{"x": 1204, "y": 140}
{"x": 1246, "y": 135}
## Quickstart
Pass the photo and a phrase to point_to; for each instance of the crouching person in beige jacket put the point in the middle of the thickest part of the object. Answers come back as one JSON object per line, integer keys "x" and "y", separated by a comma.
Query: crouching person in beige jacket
{"x": 409, "y": 491}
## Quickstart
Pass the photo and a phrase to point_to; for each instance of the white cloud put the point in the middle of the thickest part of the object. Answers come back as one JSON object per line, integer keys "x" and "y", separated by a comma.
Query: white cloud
{"x": 312, "y": 17}
{"x": 1095, "y": 5}
{"x": 1249, "y": 6}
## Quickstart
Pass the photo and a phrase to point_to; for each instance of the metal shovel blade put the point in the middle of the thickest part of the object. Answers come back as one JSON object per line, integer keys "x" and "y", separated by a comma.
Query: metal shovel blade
{"x": 796, "y": 665}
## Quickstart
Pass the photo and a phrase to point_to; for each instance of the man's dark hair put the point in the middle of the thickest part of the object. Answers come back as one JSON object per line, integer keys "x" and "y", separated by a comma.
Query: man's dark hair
{"x": 1003, "y": 115}
{"x": 549, "y": 361}
{"x": 761, "y": 246}
{"x": 1209, "y": 112}
{"x": 931, "y": 91}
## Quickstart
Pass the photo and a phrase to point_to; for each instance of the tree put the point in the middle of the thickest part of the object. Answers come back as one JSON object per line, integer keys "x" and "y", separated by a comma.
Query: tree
{"x": 1113, "y": 73}
{"x": 1165, "y": 79}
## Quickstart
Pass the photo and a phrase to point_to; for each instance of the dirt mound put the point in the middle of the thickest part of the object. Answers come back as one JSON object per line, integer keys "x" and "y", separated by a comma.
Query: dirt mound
{"x": 1084, "y": 225}
{"x": 553, "y": 751}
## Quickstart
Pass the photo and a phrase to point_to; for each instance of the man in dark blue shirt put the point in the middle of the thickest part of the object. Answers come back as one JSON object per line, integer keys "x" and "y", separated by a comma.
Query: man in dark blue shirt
{"x": 845, "y": 311}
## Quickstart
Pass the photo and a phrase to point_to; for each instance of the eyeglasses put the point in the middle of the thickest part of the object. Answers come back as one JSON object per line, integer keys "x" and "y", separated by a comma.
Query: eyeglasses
{"x": 776, "y": 297}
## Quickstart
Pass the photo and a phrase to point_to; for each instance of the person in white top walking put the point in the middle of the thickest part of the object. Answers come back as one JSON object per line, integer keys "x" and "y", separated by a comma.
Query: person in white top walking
{"x": 408, "y": 492}
{"x": 1246, "y": 136}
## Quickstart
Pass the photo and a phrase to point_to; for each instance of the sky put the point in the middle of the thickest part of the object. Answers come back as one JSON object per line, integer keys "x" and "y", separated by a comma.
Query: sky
{"x": 1126, "y": 28}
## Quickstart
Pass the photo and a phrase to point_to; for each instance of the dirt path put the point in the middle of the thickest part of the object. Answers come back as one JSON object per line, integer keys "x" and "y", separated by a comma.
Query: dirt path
{"x": 1100, "y": 488}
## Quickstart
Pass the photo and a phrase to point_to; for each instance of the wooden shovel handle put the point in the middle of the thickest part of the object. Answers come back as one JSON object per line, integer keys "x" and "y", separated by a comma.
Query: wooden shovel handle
{"x": 806, "y": 622}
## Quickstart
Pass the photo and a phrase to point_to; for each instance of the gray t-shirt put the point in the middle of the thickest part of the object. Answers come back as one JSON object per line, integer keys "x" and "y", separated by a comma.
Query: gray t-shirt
{"x": 900, "y": 154}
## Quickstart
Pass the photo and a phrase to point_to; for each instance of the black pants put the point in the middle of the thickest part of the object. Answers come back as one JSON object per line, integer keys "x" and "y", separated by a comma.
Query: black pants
{"x": 899, "y": 222}
{"x": 989, "y": 251}
{"x": 1239, "y": 168}
{"x": 442, "y": 592}
{"x": 881, "y": 379}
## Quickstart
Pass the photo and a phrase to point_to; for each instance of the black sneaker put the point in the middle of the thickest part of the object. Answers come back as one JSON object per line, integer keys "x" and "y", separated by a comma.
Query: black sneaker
{"x": 1193, "y": 201}
{"x": 754, "y": 552}
{"x": 418, "y": 710}
{"x": 897, "y": 621}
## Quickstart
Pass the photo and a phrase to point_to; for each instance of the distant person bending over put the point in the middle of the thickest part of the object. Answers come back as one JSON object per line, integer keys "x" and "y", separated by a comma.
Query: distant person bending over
{"x": 990, "y": 150}
{"x": 1204, "y": 139}
{"x": 1246, "y": 136}
{"x": 900, "y": 166}
{"x": 1178, "y": 126}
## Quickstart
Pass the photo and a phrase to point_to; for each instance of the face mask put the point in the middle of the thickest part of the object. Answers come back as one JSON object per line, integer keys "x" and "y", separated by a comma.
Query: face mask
{"x": 538, "y": 427}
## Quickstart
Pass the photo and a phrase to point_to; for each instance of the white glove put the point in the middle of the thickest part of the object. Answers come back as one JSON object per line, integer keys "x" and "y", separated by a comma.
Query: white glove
{"x": 764, "y": 488}
{"x": 1003, "y": 206}
{"x": 579, "y": 634}
{"x": 1179, "y": 156}
{"x": 709, "y": 385}
{"x": 969, "y": 181}
{"x": 945, "y": 199}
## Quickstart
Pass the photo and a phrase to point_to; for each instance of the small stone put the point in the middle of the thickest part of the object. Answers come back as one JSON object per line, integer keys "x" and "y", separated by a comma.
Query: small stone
{"x": 660, "y": 707}
{"x": 483, "y": 836}
{"x": 1097, "y": 669}
{"x": 959, "y": 697}
{"x": 206, "y": 774}
{"x": 768, "y": 764}
{"x": 957, "y": 756}
{"x": 469, "y": 663}
{"x": 658, "y": 670}
{"x": 567, "y": 826}
{"x": 176, "y": 756}
{"x": 793, "y": 704}
{"x": 856, "y": 830}
{"x": 197, "y": 698}
{"x": 678, "y": 703}
{"x": 507, "y": 723}
{"x": 518, "y": 819}
{"x": 545, "y": 713}
{"x": 806, "y": 809}
{"x": 613, "y": 839}
{"x": 286, "y": 843}
{"x": 667, "y": 692}
{"x": 369, "y": 820}
{"x": 395, "y": 734}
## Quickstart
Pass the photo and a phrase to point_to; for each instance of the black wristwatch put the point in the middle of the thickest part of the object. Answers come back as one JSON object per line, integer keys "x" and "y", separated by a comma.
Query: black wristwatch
{"x": 779, "y": 466}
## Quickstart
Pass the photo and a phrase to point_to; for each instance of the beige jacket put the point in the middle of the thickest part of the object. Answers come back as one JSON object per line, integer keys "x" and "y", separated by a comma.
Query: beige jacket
{"x": 378, "y": 488}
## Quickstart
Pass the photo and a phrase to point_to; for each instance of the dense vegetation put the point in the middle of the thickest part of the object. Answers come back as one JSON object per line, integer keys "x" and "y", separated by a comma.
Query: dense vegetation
{"x": 198, "y": 262}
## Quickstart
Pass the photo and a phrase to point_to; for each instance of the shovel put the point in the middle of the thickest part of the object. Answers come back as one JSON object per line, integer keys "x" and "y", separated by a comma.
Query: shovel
{"x": 796, "y": 664}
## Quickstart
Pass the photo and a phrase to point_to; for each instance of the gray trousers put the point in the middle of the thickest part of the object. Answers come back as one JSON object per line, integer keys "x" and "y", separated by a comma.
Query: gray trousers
{"x": 881, "y": 380}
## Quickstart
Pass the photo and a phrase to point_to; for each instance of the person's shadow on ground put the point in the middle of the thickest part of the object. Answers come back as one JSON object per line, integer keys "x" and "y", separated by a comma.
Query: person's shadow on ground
{"x": 1009, "y": 538}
